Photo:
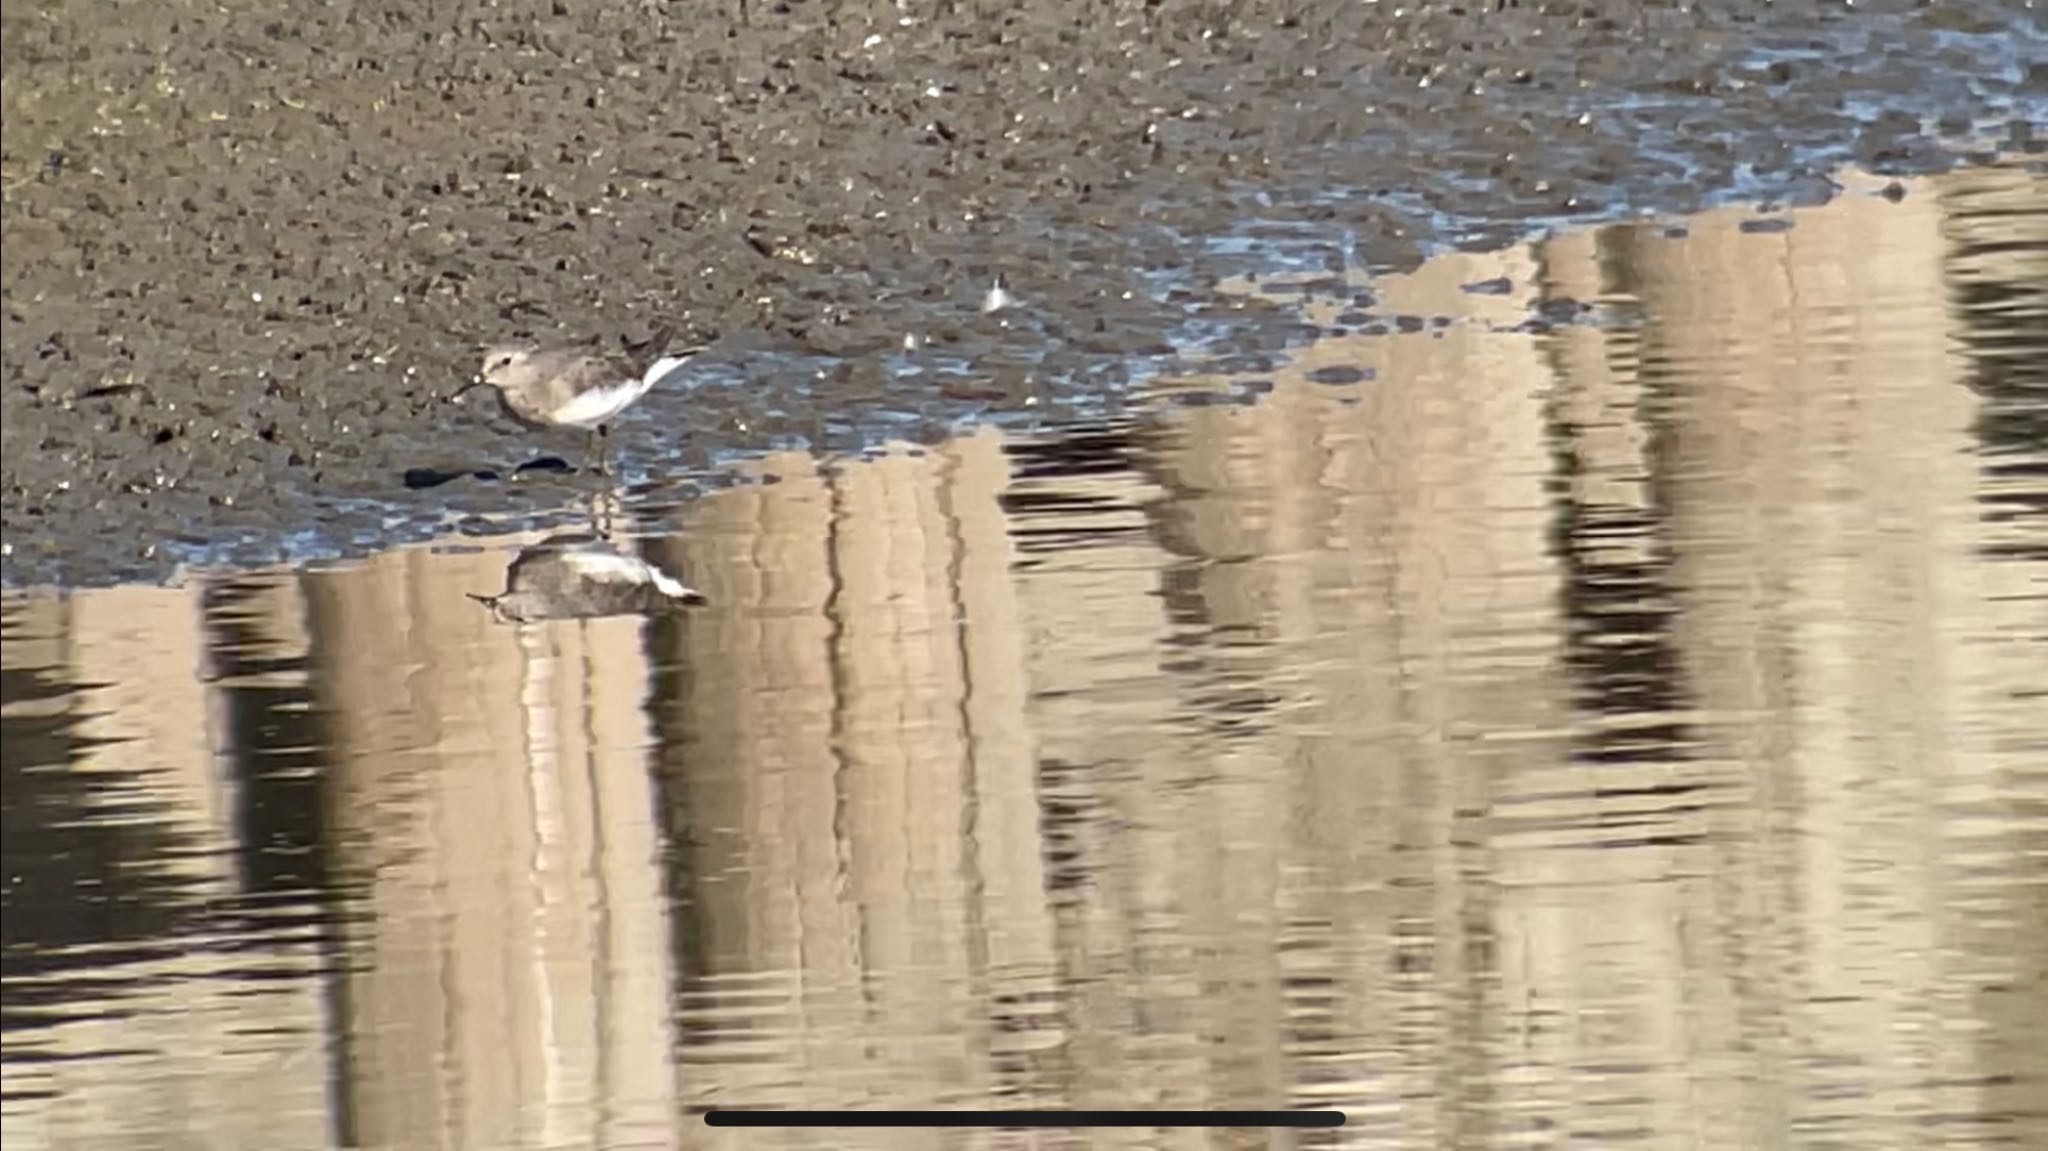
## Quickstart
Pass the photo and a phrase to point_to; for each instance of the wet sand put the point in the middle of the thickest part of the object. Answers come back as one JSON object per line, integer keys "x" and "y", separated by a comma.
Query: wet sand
{"x": 248, "y": 253}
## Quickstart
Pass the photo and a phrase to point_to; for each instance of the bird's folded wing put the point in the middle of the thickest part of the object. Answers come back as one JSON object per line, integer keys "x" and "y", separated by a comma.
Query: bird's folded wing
{"x": 598, "y": 404}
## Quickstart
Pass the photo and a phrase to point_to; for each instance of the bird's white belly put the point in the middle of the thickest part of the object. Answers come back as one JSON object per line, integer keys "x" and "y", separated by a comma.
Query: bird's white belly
{"x": 598, "y": 405}
{"x": 608, "y": 567}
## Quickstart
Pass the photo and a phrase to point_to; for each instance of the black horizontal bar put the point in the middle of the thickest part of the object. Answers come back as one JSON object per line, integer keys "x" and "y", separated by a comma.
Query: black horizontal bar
{"x": 745, "y": 1118}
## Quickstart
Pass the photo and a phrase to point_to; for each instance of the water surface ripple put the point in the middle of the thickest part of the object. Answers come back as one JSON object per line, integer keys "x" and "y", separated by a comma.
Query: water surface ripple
{"x": 1611, "y": 715}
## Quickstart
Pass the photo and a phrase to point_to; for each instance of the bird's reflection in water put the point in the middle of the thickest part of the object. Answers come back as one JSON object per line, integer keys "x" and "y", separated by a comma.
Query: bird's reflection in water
{"x": 582, "y": 575}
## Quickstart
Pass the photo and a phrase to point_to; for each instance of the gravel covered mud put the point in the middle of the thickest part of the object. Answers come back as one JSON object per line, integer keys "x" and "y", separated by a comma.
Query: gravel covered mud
{"x": 249, "y": 248}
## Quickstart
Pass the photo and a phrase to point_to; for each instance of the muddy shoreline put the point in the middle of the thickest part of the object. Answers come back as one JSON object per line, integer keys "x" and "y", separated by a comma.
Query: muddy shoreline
{"x": 248, "y": 253}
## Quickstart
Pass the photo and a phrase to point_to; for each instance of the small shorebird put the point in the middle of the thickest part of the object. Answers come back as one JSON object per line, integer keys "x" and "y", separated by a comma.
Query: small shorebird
{"x": 582, "y": 575}
{"x": 572, "y": 386}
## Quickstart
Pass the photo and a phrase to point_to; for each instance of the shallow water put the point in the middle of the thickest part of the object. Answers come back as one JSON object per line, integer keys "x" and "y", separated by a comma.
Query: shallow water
{"x": 1610, "y": 717}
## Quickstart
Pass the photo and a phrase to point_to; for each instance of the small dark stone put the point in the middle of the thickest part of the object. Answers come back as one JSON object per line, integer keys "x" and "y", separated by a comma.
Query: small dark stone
{"x": 421, "y": 478}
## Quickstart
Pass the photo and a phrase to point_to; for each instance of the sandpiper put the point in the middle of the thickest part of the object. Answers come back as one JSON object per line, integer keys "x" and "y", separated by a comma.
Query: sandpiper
{"x": 583, "y": 575}
{"x": 572, "y": 386}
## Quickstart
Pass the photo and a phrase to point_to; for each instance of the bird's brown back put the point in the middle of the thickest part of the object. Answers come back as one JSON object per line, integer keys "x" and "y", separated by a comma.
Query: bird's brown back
{"x": 552, "y": 377}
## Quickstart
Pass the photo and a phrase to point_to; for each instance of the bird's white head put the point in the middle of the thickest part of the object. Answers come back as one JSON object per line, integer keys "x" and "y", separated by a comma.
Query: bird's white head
{"x": 503, "y": 361}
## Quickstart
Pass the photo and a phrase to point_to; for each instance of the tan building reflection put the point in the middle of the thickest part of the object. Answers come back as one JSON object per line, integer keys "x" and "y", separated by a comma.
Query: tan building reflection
{"x": 509, "y": 983}
{"x": 176, "y": 1045}
{"x": 1817, "y": 461}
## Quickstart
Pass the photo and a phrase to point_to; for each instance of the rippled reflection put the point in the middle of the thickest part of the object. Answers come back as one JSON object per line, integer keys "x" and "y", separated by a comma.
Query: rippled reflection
{"x": 1610, "y": 717}
{"x": 583, "y": 575}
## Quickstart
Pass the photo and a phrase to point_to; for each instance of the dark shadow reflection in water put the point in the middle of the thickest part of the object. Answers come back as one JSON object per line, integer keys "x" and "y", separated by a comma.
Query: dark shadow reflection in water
{"x": 1509, "y": 734}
